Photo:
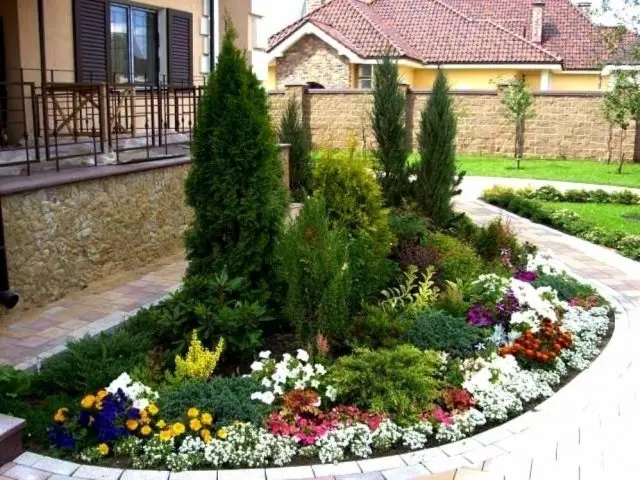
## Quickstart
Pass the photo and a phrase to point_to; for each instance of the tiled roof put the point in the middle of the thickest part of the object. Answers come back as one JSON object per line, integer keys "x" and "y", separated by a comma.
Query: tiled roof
{"x": 458, "y": 31}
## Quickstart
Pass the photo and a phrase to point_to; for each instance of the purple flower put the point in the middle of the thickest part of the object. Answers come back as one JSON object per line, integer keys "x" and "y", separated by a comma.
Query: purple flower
{"x": 525, "y": 276}
{"x": 480, "y": 316}
{"x": 60, "y": 438}
{"x": 507, "y": 307}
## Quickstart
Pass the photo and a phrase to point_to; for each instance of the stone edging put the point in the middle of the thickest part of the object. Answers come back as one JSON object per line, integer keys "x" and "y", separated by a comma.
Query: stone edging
{"x": 563, "y": 407}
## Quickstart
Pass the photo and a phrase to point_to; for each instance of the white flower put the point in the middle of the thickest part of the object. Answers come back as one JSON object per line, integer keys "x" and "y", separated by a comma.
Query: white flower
{"x": 120, "y": 383}
{"x": 320, "y": 370}
{"x": 257, "y": 366}
{"x": 315, "y": 384}
{"x": 141, "y": 403}
{"x": 303, "y": 356}
{"x": 266, "y": 383}
{"x": 300, "y": 385}
{"x": 331, "y": 393}
{"x": 265, "y": 354}
{"x": 268, "y": 398}
{"x": 286, "y": 357}
{"x": 256, "y": 396}
{"x": 277, "y": 389}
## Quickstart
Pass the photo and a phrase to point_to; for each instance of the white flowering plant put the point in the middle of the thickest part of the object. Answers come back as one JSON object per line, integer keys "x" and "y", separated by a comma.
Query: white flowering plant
{"x": 290, "y": 373}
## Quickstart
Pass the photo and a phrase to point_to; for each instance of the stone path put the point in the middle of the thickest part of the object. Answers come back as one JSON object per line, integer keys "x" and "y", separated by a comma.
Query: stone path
{"x": 587, "y": 431}
{"x": 31, "y": 337}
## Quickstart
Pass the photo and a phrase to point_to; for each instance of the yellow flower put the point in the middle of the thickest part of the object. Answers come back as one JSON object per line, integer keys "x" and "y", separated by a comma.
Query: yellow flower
{"x": 193, "y": 413}
{"x": 161, "y": 424}
{"x": 222, "y": 433}
{"x": 206, "y": 419}
{"x": 143, "y": 414}
{"x": 132, "y": 424}
{"x": 205, "y": 434}
{"x": 101, "y": 394}
{"x": 103, "y": 449}
{"x": 88, "y": 401}
{"x": 153, "y": 409}
{"x": 146, "y": 430}
{"x": 61, "y": 415}
{"x": 195, "y": 425}
{"x": 178, "y": 428}
{"x": 166, "y": 435}
{"x": 98, "y": 405}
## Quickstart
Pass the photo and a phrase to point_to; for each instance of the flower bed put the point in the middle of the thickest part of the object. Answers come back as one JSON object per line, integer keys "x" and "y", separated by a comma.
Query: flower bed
{"x": 527, "y": 203}
{"x": 532, "y": 341}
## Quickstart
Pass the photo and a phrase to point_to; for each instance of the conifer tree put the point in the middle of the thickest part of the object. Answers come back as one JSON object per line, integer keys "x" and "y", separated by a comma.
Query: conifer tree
{"x": 235, "y": 183}
{"x": 388, "y": 121}
{"x": 436, "y": 173}
{"x": 294, "y": 130}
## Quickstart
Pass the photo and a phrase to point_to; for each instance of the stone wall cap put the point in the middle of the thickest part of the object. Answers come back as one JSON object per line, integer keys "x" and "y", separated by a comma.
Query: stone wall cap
{"x": 10, "y": 425}
{"x": 295, "y": 84}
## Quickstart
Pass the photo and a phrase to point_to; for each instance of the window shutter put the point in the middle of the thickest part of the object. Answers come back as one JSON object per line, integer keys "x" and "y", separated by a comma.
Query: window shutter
{"x": 91, "y": 39}
{"x": 180, "y": 48}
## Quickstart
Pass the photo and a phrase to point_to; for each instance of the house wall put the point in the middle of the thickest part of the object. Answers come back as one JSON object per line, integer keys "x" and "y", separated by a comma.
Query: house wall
{"x": 564, "y": 125}
{"x": 577, "y": 82}
{"x": 312, "y": 60}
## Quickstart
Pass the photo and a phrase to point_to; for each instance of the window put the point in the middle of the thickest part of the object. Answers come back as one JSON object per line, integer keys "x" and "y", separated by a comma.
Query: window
{"x": 258, "y": 35}
{"x": 365, "y": 76}
{"x": 134, "y": 49}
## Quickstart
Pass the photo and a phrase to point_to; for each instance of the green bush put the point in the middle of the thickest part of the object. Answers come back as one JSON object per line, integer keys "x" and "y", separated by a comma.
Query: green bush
{"x": 626, "y": 197}
{"x": 566, "y": 286}
{"x": 377, "y": 328}
{"x": 457, "y": 259}
{"x": 548, "y": 193}
{"x": 401, "y": 382}
{"x": 294, "y": 130}
{"x": 235, "y": 181}
{"x": 492, "y": 240}
{"x": 316, "y": 271}
{"x": 600, "y": 196}
{"x": 441, "y": 331}
{"x": 228, "y": 399}
{"x": 408, "y": 227}
{"x": 577, "y": 196}
{"x": 13, "y": 382}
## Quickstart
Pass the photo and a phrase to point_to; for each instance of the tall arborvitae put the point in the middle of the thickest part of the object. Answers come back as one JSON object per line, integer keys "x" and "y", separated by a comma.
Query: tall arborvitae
{"x": 294, "y": 130}
{"x": 436, "y": 172}
{"x": 388, "y": 122}
{"x": 235, "y": 184}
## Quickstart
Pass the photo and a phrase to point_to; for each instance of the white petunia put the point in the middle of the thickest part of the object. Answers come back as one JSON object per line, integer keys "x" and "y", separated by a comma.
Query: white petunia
{"x": 265, "y": 354}
{"x": 268, "y": 398}
{"x": 257, "y": 366}
{"x": 303, "y": 356}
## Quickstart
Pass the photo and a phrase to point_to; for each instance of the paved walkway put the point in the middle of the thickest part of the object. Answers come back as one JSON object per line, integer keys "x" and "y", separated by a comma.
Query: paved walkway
{"x": 585, "y": 432}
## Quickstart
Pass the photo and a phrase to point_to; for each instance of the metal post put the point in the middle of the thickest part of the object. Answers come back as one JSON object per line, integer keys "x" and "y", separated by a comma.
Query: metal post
{"x": 43, "y": 77}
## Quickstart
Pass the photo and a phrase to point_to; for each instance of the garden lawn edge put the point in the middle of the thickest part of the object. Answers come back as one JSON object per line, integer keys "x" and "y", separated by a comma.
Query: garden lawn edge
{"x": 510, "y": 441}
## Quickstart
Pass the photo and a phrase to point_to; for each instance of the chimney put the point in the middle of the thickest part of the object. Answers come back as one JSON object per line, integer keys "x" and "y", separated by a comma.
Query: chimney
{"x": 585, "y": 8}
{"x": 537, "y": 20}
{"x": 310, "y": 5}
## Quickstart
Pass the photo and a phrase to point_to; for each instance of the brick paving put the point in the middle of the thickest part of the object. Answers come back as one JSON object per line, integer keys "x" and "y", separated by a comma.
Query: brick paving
{"x": 584, "y": 432}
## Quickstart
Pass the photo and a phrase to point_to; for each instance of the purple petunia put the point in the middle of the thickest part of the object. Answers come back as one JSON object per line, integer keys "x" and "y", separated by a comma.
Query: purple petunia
{"x": 525, "y": 276}
{"x": 480, "y": 316}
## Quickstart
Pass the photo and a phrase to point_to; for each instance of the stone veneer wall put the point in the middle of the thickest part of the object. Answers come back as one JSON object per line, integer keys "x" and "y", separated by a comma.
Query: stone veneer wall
{"x": 566, "y": 125}
{"x": 60, "y": 238}
{"x": 312, "y": 60}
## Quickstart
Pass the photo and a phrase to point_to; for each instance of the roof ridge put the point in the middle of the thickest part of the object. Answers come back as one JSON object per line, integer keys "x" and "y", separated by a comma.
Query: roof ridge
{"x": 298, "y": 23}
{"x": 520, "y": 37}
{"x": 454, "y": 10}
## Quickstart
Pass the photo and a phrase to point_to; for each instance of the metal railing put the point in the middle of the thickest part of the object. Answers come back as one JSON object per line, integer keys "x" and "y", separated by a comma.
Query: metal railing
{"x": 94, "y": 123}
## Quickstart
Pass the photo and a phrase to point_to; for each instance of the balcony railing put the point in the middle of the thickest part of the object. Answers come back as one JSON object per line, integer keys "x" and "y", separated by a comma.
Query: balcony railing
{"x": 70, "y": 124}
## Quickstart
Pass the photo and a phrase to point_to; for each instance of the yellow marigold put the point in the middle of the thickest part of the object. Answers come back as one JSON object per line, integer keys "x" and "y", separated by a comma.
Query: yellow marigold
{"x": 199, "y": 362}
{"x": 153, "y": 409}
{"x": 206, "y": 419}
{"x": 195, "y": 425}
{"x": 103, "y": 449}
{"x": 145, "y": 431}
{"x": 144, "y": 414}
{"x": 166, "y": 435}
{"x": 222, "y": 433}
{"x": 61, "y": 415}
{"x": 178, "y": 428}
{"x": 98, "y": 405}
{"x": 88, "y": 401}
{"x": 193, "y": 412}
{"x": 101, "y": 394}
{"x": 132, "y": 424}
{"x": 161, "y": 424}
{"x": 205, "y": 434}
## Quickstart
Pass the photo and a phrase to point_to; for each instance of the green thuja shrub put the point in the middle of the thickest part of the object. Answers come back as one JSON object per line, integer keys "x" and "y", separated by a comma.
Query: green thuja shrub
{"x": 441, "y": 331}
{"x": 436, "y": 172}
{"x": 496, "y": 239}
{"x": 294, "y": 130}
{"x": 315, "y": 269}
{"x": 401, "y": 382}
{"x": 457, "y": 260}
{"x": 228, "y": 399}
{"x": 235, "y": 182}
{"x": 389, "y": 129}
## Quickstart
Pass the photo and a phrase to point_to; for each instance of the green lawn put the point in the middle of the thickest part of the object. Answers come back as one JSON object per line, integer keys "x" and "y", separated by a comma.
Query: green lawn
{"x": 609, "y": 217}
{"x": 585, "y": 171}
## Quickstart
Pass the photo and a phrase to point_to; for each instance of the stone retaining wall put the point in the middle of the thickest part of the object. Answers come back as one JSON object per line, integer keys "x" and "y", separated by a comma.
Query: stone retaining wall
{"x": 565, "y": 125}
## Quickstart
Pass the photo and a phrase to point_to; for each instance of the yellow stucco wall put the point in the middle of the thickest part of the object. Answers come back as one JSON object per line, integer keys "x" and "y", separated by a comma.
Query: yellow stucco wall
{"x": 271, "y": 78}
{"x": 406, "y": 75}
{"x": 577, "y": 82}
{"x": 462, "y": 79}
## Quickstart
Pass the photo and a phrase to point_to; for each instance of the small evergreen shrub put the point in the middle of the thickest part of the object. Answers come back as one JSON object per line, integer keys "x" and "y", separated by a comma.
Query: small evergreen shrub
{"x": 316, "y": 271}
{"x": 576, "y": 196}
{"x": 228, "y": 399}
{"x": 389, "y": 130}
{"x": 566, "y": 286}
{"x": 401, "y": 382}
{"x": 408, "y": 227}
{"x": 548, "y": 193}
{"x": 235, "y": 182}
{"x": 458, "y": 261}
{"x": 440, "y": 331}
{"x": 294, "y": 130}
{"x": 494, "y": 240}
{"x": 625, "y": 197}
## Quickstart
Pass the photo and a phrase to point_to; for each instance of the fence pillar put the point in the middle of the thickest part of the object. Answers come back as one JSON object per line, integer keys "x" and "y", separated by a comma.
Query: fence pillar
{"x": 104, "y": 120}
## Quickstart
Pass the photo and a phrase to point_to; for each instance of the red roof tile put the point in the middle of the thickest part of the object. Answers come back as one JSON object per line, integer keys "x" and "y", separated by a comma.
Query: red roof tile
{"x": 458, "y": 31}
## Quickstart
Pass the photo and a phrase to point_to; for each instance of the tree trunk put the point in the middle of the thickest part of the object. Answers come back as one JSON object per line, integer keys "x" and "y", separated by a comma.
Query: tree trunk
{"x": 636, "y": 143}
{"x": 610, "y": 144}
